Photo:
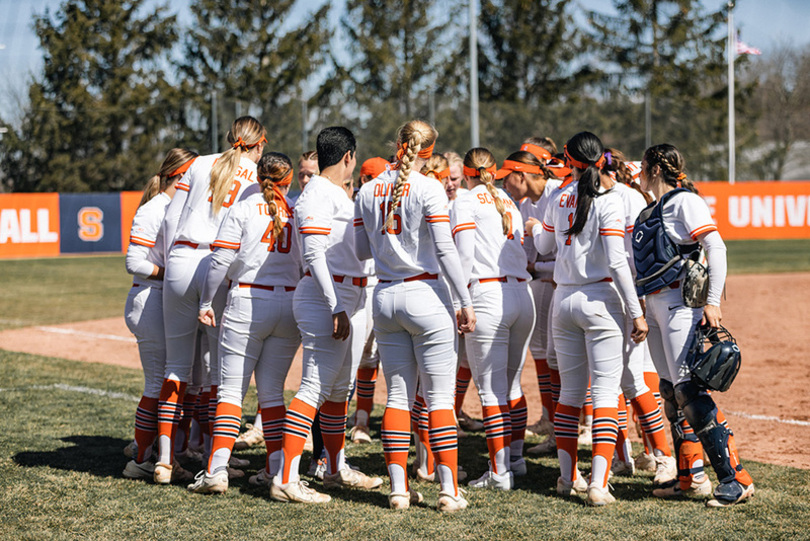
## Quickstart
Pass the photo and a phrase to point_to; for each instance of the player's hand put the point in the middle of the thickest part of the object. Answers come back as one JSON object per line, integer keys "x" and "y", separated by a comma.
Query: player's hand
{"x": 341, "y": 326}
{"x": 711, "y": 316}
{"x": 643, "y": 302}
{"x": 206, "y": 317}
{"x": 530, "y": 223}
{"x": 159, "y": 272}
{"x": 466, "y": 320}
{"x": 640, "y": 330}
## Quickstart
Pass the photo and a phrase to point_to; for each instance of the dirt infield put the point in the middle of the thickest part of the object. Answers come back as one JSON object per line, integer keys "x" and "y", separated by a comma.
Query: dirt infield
{"x": 768, "y": 407}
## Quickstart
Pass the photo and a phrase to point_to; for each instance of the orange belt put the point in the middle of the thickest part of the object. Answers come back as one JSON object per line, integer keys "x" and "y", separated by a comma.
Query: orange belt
{"x": 423, "y": 276}
{"x": 268, "y": 288}
{"x": 498, "y": 279}
{"x": 359, "y": 282}
{"x": 674, "y": 285}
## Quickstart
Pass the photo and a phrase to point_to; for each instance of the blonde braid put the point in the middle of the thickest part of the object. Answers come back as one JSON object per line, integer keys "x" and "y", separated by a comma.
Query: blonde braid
{"x": 404, "y": 172}
{"x": 272, "y": 168}
{"x": 487, "y": 179}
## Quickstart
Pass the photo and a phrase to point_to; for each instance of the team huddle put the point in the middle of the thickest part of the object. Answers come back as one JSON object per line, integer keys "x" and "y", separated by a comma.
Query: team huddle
{"x": 571, "y": 260}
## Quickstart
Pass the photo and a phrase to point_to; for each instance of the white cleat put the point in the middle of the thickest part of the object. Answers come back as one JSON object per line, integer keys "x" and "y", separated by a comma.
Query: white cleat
{"x": 673, "y": 489}
{"x": 209, "y": 484}
{"x": 518, "y": 467}
{"x": 317, "y": 468}
{"x": 572, "y": 488}
{"x": 360, "y": 434}
{"x": 402, "y": 501}
{"x": 645, "y": 462}
{"x": 296, "y": 491}
{"x": 145, "y": 470}
{"x": 490, "y": 479}
{"x": 349, "y": 478}
{"x": 131, "y": 450}
{"x": 450, "y": 504}
{"x": 250, "y": 437}
{"x": 599, "y": 497}
{"x": 541, "y": 427}
{"x": 166, "y": 474}
{"x": 666, "y": 470}
{"x": 621, "y": 467}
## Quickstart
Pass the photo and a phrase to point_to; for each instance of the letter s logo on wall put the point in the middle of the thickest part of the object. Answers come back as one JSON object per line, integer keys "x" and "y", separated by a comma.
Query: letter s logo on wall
{"x": 91, "y": 224}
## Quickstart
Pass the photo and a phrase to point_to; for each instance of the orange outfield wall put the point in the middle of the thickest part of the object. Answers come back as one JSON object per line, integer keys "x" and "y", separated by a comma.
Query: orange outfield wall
{"x": 759, "y": 209}
{"x": 29, "y": 225}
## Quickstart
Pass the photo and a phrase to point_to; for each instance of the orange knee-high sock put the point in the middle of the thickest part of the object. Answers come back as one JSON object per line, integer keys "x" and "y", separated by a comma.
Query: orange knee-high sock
{"x": 518, "y": 415}
{"x": 444, "y": 444}
{"x": 605, "y": 431}
{"x": 742, "y": 474}
{"x": 498, "y": 427}
{"x": 145, "y": 427}
{"x": 396, "y": 439}
{"x": 651, "y": 421}
{"x": 212, "y": 409}
{"x": 184, "y": 426}
{"x": 555, "y": 390}
{"x": 622, "y": 435}
{"x": 297, "y": 424}
{"x": 566, "y": 430}
{"x": 169, "y": 413}
{"x": 333, "y": 430}
{"x": 587, "y": 406}
{"x": 463, "y": 377}
{"x": 366, "y": 381}
{"x": 690, "y": 457}
{"x": 227, "y": 423}
{"x": 544, "y": 385}
{"x": 272, "y": 421}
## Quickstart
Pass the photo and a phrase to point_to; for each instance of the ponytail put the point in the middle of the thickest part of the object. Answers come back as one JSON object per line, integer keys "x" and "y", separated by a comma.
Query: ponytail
{"x": 617, "y": 166}
{"x": 479, "y": 162}
{"x": 275, "y": 170}
{"x": 585, "y": 152}
{"x": 672, "y": 165}
{"x": 245, "y": 134}
{"x": 151, "y": 189}
{"x": 176, "y": 162}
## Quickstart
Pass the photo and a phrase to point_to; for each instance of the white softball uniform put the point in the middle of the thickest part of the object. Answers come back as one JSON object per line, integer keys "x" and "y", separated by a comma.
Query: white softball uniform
{"x": 495, "y": 266}
{"x": 588, "y": 324}
{"x": 413, "y": 310}
{"x": 257, "y": 329}
{"x": 541, "y": 286}
{"x": 335, "y": 282}
{"x": 144, "y": 307}
{"x": 192, "y": 226}
{"x": 685, "y": 217}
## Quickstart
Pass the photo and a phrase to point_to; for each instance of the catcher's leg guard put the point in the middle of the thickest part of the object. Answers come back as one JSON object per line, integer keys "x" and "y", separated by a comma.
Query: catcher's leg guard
{"x": 688, "y": 451}
{"x": 701, "y": 413}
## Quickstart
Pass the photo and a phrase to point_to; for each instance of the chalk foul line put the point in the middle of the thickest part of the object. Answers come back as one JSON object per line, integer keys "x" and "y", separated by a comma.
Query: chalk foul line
{"x": 76, "y": 389}
{"x": 767, "y": 418}
{"x": 58, "y": 330}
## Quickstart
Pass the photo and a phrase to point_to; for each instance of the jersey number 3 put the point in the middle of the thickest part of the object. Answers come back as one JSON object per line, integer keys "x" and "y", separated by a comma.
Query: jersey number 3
{"x": 283, "y": 244}
{"x": 231, "y": 198}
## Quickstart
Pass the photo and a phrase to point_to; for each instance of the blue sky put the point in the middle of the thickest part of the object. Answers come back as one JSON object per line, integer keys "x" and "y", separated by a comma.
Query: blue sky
{"x": 762, "y": 24}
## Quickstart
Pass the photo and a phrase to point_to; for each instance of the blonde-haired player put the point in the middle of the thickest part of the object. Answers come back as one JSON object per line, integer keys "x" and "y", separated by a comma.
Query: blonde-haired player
{"x": 401, "y": 220}
{"x": 258, "y": 253}
{"x": 585, "y": 221}
{"x": 488, "y": 232}
{"x": 205, "y": 193}
{"x": 146, "y": 261}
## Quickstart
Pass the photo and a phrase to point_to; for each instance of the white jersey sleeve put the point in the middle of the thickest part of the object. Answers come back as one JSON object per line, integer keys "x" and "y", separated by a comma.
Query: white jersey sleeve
{"x": 146, "y": 247}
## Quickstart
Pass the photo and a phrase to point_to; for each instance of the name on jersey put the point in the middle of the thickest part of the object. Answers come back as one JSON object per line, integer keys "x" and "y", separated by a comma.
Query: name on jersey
{"x": 487, "y": 199}
{"x": 264, "y": 210}
{"x": 246, "y": 174}
{"x": 384, "y": 190}
{"x": 568, "y": 200}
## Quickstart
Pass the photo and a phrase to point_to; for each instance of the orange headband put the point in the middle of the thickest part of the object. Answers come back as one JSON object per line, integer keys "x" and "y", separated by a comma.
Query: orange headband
{"x": 569, "y": 160}
{"x": 182, "y": 169}
{"x": 241, "y": 143}
{"x": 682, "y": 176}
{"x": 470, "y": 172}
{"x": 287, "y": 180}
{"x": 539, "y": 152}
{"x": 439, "y": 175}
{"x": 425, "y": 153}
{"x": 511, "y": 165}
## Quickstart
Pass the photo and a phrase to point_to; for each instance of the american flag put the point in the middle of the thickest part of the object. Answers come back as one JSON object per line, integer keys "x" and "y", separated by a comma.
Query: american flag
{"x": 743, "y": 48}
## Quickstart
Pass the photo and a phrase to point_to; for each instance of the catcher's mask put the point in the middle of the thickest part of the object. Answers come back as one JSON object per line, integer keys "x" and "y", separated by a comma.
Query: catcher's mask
{"x": 714, "y": 358}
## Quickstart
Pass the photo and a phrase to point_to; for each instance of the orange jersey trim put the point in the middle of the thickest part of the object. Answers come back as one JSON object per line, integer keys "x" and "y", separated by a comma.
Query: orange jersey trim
{"x": 358, "y": 222}
{"x": 182, "y": 186}
{"x": 436, "y": 218}
{"x": 315, "y": 230}
{"x": 225, "y": 244}
{"x": 142, "y": 242}
{"x": 702, "y": 229}
{"x": 463, "y": 227}
{"x": 549, "y": 228}
{"x": 611, "y": 232}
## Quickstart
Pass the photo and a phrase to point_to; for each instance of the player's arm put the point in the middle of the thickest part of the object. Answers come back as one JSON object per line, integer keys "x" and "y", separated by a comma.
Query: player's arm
{"x": 451, "y": 268}
{"x": 715, "y": 248}
{"x": 362, "y": 246}
{"x": 225, "y": 248}
{"x": 138, "y": 265}
{"x": 172, "y": 218}
{"x": 142, "y": 238}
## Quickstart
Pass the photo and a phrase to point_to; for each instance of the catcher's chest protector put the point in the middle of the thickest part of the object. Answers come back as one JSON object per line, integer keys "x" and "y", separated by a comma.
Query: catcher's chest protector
{"x": 658, "y": 259}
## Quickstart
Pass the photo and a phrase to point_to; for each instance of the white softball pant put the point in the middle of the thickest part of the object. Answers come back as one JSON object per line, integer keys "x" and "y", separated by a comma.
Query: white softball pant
{"x": 543, "y": 293}
{"x": 497, "y": 348}
{"x": 144, "y": 316}
{"x": 329, "y": 365}
{"x": 416, "y": 333}
{"x": 671, "y": 327}
{"x": 258, "y": 333}
{"x": 589, "y": 337}
{"x": 632, "y": 382}
{"x": 185, "y": 272}
{"x": 369, "y": 358}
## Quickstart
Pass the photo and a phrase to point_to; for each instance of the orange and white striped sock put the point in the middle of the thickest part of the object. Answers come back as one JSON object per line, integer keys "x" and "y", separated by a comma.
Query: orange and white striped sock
{"x": 169, "y": 413}
{"x": 297, "y": 424}
{"x": 566, "y": 430}
{"x": 623, "y": 449}
{"x": 544, "y": 385}
{"x": 145, "y": 427}
{"x": 652, "y": 422}
{"x": 420, "y": 427}
{"x": 742, "y": 474}
{"x": 554, "y": 376}
{"x": 184, "y": 426}
{"x": 651, "y": 379}
{"x": 366, "y": 381}
{"x": 605, "y": 430}
{"x": 587, "y": 408}
{"x": 444, "y": 444}
{"x": 212, "y": 408}
{"x": 272, "y": 422}
{"x": 396, "y": 439}
{"x": 463, "y": 377}
{"x": 518, "y": 415}
{"x": 333, "y": 430}
{"x": 227, "y": 423}
{"x": 498, "y": 428}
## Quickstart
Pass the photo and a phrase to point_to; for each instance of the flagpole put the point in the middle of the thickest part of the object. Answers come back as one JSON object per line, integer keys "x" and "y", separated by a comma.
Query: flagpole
{"x": 474, "y": 133}
{"x": 732, "y": 50}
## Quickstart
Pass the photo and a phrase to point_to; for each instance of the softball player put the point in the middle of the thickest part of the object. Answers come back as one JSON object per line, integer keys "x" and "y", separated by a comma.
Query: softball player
{"x": 686, "y": 222}
{"x": 401, "y": 220}
{"x": 586, "y": 223}
{"x": 488, "y": 232}
{"x": 257, "y": 250}
{"x": 325, "y": 303}
{"x": 144, "y": 308}
{"x": 206, "y": 192}
{"x": 529, "y": 181}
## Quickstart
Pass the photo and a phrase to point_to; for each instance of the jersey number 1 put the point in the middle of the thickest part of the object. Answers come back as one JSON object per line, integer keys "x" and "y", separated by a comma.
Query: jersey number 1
{"x": 570, "y": 225}
{"x": 396, "y": 229}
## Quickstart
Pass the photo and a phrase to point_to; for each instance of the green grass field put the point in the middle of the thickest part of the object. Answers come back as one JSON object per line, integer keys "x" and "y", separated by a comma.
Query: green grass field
{"x": 61, "y": 462}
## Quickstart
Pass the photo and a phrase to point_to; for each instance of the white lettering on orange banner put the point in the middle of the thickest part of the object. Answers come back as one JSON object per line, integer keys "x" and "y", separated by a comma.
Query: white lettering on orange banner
{"x": 16, "y": 228}
{"x": 768, "y": 211}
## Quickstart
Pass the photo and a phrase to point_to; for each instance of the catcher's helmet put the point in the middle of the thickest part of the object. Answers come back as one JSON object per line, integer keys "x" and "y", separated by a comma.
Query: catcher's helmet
{"x": 714, "y": 358}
